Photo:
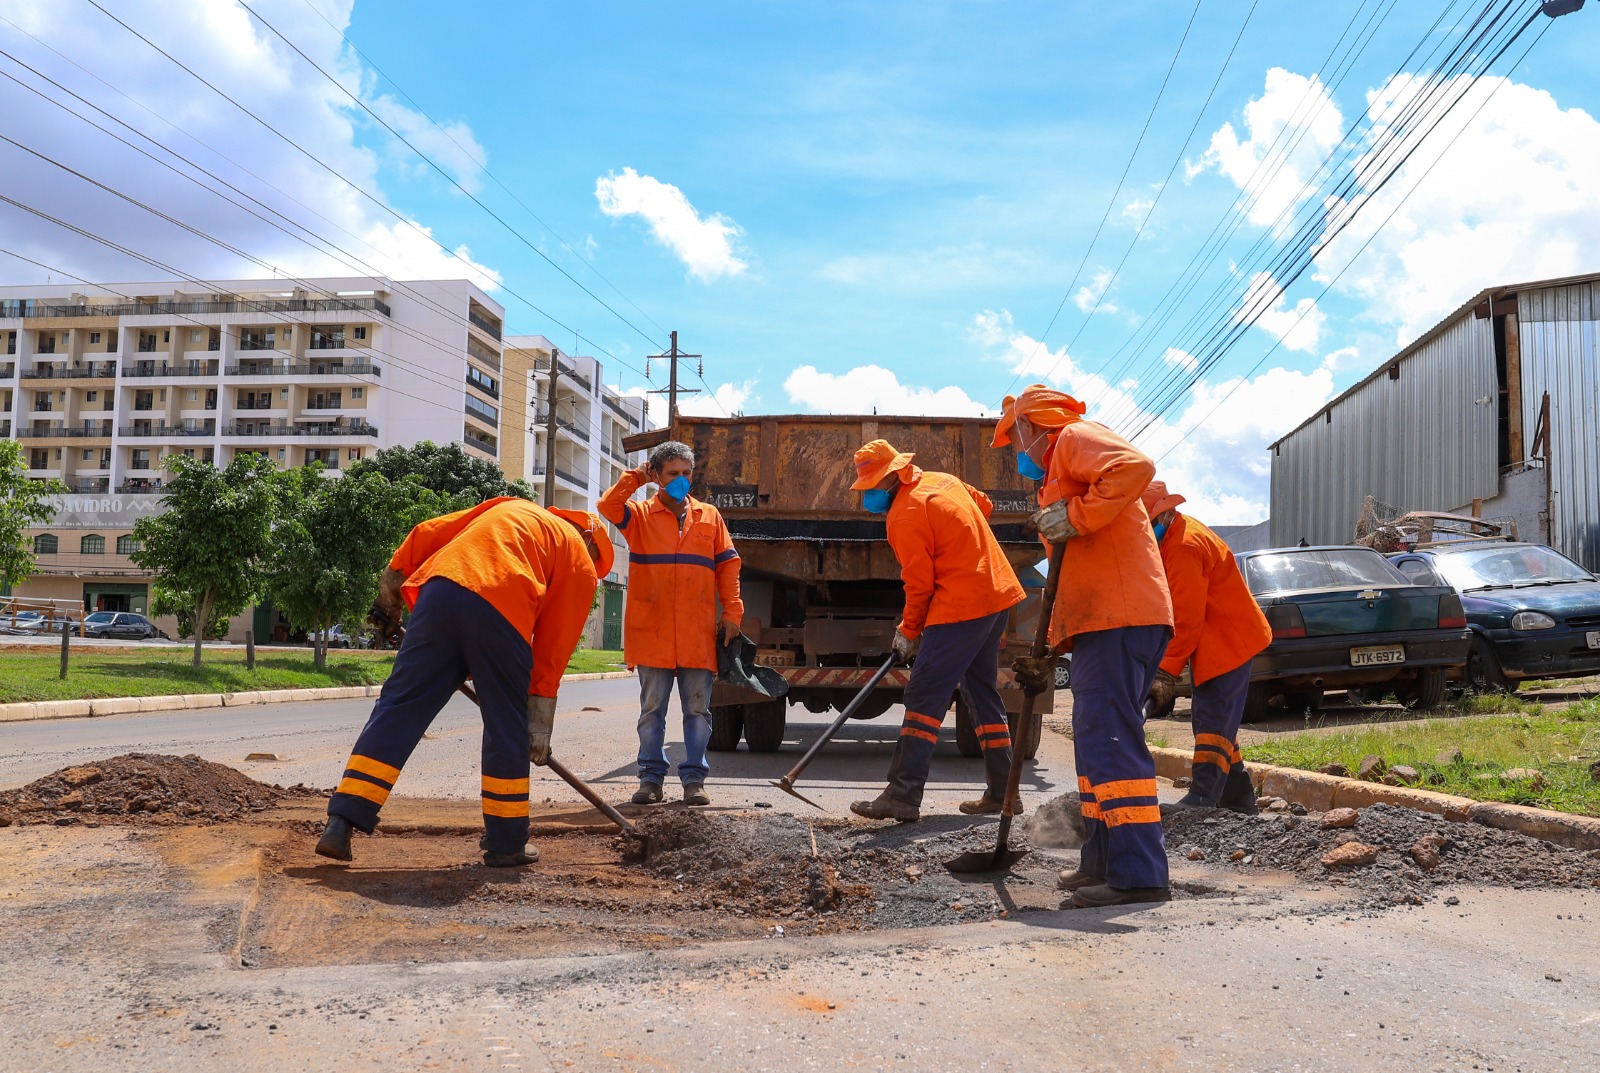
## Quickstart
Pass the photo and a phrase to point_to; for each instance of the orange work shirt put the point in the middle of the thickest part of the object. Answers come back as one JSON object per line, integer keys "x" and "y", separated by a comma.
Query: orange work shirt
{"x": 950, "y": 562}
{"x": 1111, "y": 573}
{"x": 1217, "y": 623}
{"x": 529, "y": 564}
{"x": 676, "y": 575}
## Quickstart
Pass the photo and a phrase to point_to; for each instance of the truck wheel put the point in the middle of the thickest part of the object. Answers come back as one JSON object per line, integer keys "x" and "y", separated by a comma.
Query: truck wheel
{"x": 727, "y": 724}
{"x": 1026, "y": 738}
{"x": 1428, "y": 692}
{"x": 1255, "y": 703}
{"x": 966, "y": 733}
{"x": 763, "y": 726}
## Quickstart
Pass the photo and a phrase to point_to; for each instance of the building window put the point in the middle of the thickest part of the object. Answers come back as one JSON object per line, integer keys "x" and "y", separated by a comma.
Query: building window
{"x": 91, "y": 396}
{"x": 147, "y": 342}
{"x": 47, "y": 342}
{"x": 126, "y": 545}
{"x": 358, "y": 392}
{"x": 482, "y": 411}
{"x": 166, "y": 336}
{"x": 360, "y": 331}
{"x": 45, "y": 544}
{"x": 87, "y": 455}
{"x": 94, "y": 338}
{"x": 483, "y": 382}
{"x": 140, "y": 458}
{"x": 93, "y": 544}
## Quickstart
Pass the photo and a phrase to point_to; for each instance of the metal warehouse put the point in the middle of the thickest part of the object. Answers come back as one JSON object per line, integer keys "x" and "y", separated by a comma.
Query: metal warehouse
{"x": 1491, "y": 412}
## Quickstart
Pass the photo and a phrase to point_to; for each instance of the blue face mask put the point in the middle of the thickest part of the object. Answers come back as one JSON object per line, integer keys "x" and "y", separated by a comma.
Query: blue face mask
{"x": 877, "y": 500}
{"x": 1028, "y": 467}
{"x": 677, "y": 488}
{"x": 1161, "y": 530}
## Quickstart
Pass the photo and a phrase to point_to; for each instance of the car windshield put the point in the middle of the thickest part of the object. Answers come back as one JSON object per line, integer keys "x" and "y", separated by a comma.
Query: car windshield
{"x": 1508, "y": 566}
{"x": 101, "y": 616}
{"x": 1320, "y": 568}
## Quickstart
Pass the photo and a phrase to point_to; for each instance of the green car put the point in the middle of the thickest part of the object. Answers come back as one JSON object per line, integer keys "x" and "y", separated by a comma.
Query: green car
{"x": 1346, "y": 618}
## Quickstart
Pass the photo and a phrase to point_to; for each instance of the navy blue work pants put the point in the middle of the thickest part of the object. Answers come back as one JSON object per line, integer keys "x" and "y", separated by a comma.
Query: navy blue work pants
{"x": 965, "y": 654}
{"x": 1112, "y": 671}
{"x": 1217, "y": 707}
{"x": 454, "y": 633}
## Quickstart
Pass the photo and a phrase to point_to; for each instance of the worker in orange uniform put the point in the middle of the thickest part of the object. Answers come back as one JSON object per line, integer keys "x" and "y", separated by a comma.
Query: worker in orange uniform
{"x": 498, "y": 593}
{"x": 681, "y": 562}
{"x": 959, "y": 587}
{"x": 1114, "y": 614}
{"x": 1217, "y": 631}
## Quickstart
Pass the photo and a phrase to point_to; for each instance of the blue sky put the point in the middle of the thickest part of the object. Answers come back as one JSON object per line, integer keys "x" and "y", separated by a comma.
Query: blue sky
{"x": 845, "y": 206}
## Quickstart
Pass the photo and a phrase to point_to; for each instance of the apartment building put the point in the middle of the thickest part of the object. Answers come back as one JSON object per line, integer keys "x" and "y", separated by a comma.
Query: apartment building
{"x": 100, "y": 384}
{"x": 591, "y": 421}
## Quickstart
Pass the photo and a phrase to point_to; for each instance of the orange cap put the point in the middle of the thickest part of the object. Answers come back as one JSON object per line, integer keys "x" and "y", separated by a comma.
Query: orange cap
{"x": 875, "y": 461}
{"x": 1044, "y": 406}
{"x": 1157, "y": 500}
{"x": 595, "y": 526}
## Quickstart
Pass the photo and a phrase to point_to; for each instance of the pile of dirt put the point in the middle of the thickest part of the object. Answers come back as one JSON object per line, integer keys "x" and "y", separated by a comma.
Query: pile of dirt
{"x": 1383, "y": 853}
{"x": 139, "y": 788}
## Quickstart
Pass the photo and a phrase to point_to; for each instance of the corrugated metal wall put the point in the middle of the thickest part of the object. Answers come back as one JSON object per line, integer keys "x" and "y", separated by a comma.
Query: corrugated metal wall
{"x": 1421, "y": 442}
{"x": 1560, "y": 333}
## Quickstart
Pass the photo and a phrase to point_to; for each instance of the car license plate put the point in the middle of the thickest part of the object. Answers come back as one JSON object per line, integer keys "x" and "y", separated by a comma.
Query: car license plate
{"x": 1377, "y": 655}
{"x": 1594, "y": 638}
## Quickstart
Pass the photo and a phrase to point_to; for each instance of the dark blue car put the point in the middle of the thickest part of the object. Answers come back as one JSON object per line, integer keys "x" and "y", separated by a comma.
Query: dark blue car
{"x": 1533, "y": 612}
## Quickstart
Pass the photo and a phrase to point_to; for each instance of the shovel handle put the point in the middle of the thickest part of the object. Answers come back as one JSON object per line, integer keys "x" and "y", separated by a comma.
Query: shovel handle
{"x": 1041, "y": 643}
{"x": 827, "y": 735}
{"x": 570, "y": 779}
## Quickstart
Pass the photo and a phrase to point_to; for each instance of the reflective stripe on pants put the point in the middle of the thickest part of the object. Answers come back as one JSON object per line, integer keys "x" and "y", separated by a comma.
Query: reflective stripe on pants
{"x": 1217, "y": 707}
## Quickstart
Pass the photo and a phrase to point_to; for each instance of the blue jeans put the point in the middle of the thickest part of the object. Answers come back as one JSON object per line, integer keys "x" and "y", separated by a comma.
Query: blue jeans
{"x": 694, "y": 697}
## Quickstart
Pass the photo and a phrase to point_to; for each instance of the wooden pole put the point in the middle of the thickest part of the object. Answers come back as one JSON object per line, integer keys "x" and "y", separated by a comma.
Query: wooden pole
{"x": 66, "y": 644}
{"x": 250, "y": 650}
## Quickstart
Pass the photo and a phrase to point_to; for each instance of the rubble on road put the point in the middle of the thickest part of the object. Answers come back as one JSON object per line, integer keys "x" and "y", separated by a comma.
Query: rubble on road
{"x": 142, "y": 789}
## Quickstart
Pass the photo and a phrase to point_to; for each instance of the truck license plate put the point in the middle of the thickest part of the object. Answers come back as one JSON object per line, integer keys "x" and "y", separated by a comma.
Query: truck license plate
{"x": 1594, "y": 638}
{"x": 1377, "y": 655}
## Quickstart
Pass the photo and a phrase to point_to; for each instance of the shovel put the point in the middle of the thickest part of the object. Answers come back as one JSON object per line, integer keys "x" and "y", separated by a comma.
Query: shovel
{"x": 639, "y": 842}
{"x": 786, "y": 784}
{"x": 1002, "y": 855}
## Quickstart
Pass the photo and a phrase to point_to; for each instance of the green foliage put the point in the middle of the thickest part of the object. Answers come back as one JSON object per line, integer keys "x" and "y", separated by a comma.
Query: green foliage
{"x": 165, "y": 602}
{"x": 332, "y": 541}
{"x": 449, "y": 471}
{"x": 209, "y": 544}
{"x": 24, "y": 503}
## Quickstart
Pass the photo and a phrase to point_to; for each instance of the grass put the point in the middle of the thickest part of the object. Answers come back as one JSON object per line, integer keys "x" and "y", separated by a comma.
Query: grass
{"x": 1560, "y": 743}
{"x": 26, "y": 675}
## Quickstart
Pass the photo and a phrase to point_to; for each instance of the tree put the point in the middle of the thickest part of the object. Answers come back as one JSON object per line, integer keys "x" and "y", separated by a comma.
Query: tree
{"x": 464, "y": 481}
{"x": 333, "y": 542}
{"x": 24, "y": 504}
{"x": 207, "y": 548}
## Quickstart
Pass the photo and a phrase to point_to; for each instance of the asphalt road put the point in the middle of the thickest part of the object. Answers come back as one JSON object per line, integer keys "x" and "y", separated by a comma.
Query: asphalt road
{"x": 1267, "y": 976}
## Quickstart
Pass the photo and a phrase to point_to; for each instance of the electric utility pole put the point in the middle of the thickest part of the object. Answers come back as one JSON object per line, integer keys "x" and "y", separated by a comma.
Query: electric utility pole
{"x": 672, "y": 390}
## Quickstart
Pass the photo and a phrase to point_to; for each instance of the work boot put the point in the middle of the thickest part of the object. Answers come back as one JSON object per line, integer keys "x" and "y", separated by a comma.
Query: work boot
{"x": 988, "y": 806}
{"x": 694, "y": 793}
{"x": 335, "y": 840}
{"x": 1074, "y": 879}
{"x": 1195, "y": 799}
{"x": 648, "y": 793}
{"x": 1101, "y": 895}
{"x": 884, "y": 807}
{"x": 515, "y": 859}
{"x": 1238, "y": 795}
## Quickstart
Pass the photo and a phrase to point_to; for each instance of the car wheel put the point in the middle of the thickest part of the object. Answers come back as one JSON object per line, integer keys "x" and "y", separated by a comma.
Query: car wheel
{"x": 1484, "y": 673}
{"x": 1163, "y": 711}
{"x": 1362, "y": 696}
{"x": 1303, "y": 700}
{"x": 1256, "y": 702}
{"x": 1427, "y": 692}
{"x": 1063, "y": 674}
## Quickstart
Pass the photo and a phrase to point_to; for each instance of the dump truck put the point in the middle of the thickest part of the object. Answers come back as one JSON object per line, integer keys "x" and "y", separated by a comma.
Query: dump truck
{"x": 821, "y": 587}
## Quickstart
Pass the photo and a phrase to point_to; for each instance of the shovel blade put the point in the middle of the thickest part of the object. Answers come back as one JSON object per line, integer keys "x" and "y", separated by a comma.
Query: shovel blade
{"x": 984, "y": 860}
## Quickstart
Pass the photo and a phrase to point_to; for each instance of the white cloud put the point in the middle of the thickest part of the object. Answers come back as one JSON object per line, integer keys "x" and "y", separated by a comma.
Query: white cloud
{"x": 1510, "y": 198}
{"x": 1091, "y": 296}
{"x": 1181, "y": 358}
{"x": 725, "y": 401}
{"x": 1297, "y": 327}
{"x": 704, "y": 244}
{"x": 224, "y": 45}
{"x": 450, "y": 145}
{"x": 1290, "y": 128}
{"x": 872, "y": 388}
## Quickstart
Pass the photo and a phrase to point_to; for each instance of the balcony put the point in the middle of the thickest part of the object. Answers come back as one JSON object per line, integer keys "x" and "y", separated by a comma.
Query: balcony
{"x": 352, "y": 369}
{"x": 148, "y": 368}
{"x": 326, "y": 342}
{"x": 274, "y": 430}
{"x": 5, "y": 429}
{"x": 29, "y": 307}
{"x": 573, "y": 428}
{"x": 92, "y": 486}
{"x": 62, "y": 432}
{"x": 93, "y": 370}
{"x": 484, "y": 324}
{"x": 539, "y": 470}
{"x": 208, "y": 428}
{"x": 482, "y": 411}
{"x": 8, "y": 369}
{"x": 482, "y": 383}
{"x": 325, "y": 404}
{"x": 617, "y": 408}
{"x": 478, "y": 352}
{"x": 481, "y": 444}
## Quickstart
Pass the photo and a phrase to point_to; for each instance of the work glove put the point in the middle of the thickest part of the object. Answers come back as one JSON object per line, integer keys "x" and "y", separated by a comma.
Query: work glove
{"x": 1035, "y": 674}
{"x": 1164, "y": 690}
{"x": 1052, "y": 523}
{"x": 905, "y": 647}
{"x": 541, "y": 721}
{"x": 384, "y": 616}
{"x": 730, "y": 631}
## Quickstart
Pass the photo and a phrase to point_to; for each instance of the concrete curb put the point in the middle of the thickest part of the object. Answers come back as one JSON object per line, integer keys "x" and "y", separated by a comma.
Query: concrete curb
{"x": 79, "y": 709}
{"x": 1319, "y": 793}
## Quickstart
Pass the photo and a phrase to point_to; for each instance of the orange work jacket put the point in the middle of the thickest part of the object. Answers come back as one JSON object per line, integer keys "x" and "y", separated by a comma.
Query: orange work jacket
{"x": 675, "y": 578}
{"x": 530, "y": 565}
{"x": 1111, "y": 573}
{"x": 950, "y": 562}
{"x": 1217, "y": 624}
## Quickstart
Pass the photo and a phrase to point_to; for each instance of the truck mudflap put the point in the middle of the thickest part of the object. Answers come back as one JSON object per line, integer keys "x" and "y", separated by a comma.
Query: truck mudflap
{"x": 841, "y": 677}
